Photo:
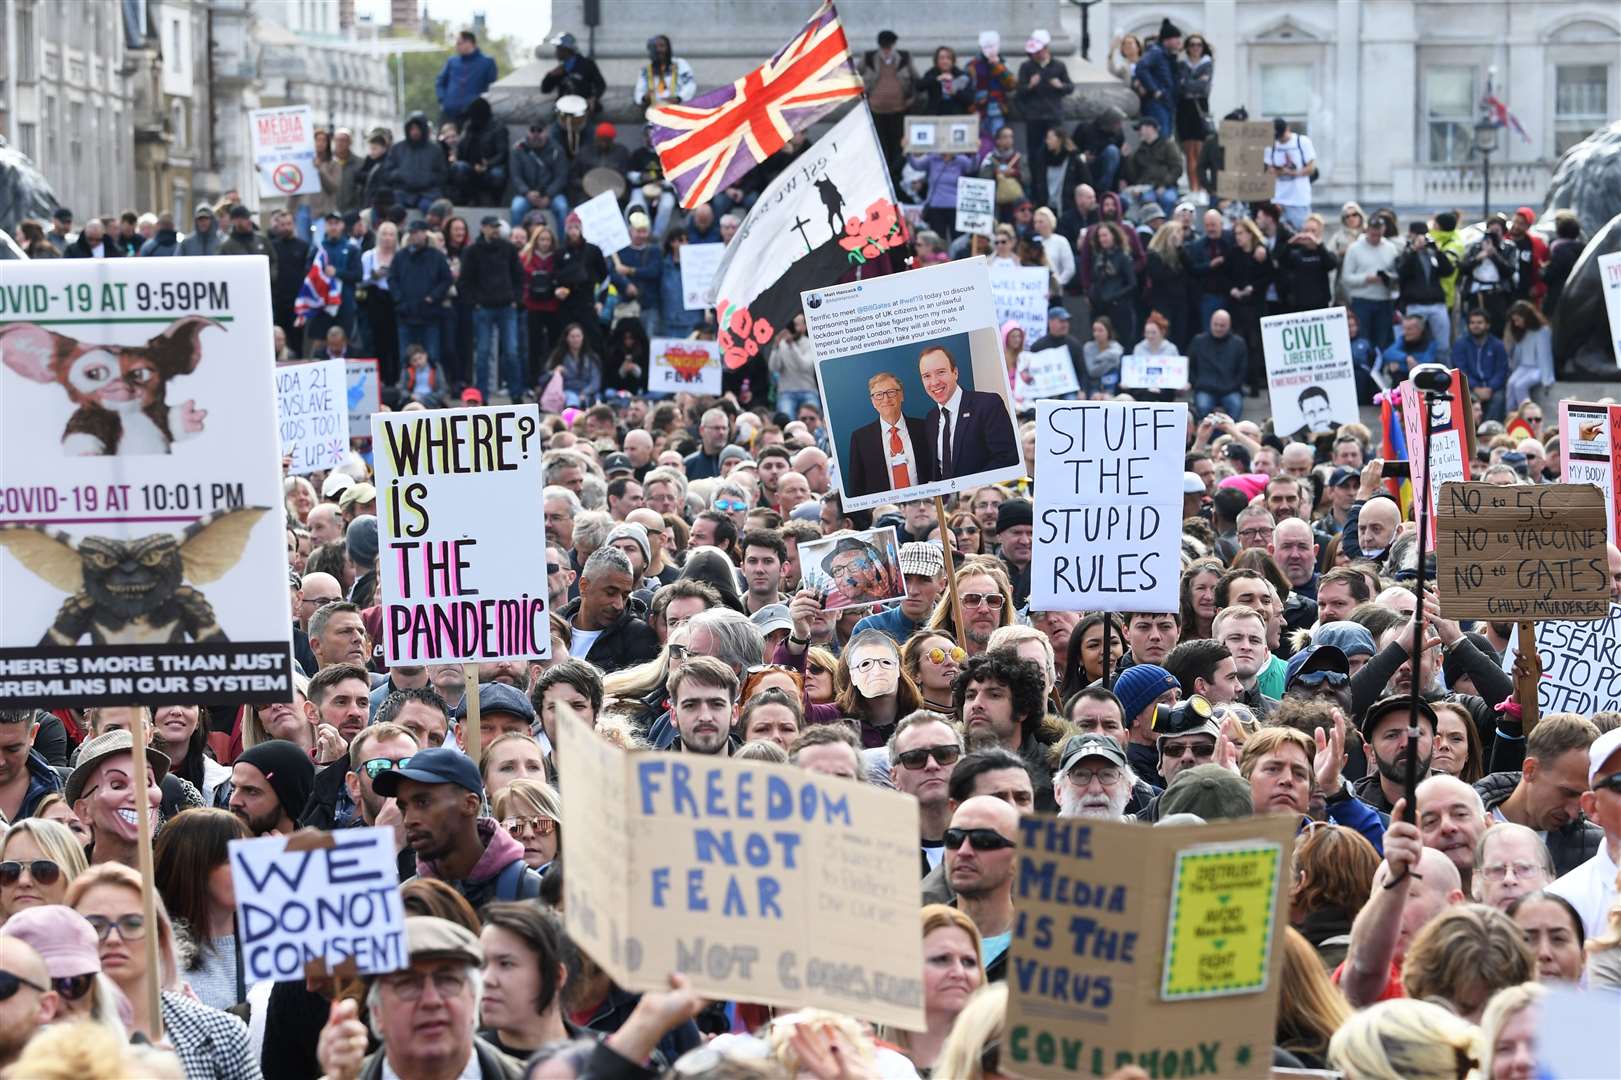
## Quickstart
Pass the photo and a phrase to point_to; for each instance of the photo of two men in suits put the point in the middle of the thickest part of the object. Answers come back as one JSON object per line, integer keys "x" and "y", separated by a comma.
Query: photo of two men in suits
{"x": 958, "y": 432}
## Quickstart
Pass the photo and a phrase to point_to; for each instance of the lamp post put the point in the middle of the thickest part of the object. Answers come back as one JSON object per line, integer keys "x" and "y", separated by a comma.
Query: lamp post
{"x": 1486, "y": 146}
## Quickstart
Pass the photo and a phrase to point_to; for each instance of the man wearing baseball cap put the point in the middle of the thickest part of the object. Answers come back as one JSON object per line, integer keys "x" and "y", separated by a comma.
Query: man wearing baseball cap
{"x": 1058, "y": 327}
{"x": 502, "y": 710}
{"x": 923, "y": 566}
{"x": 1093, "y": 778}
{"x": 1590, "y": 887}
{"x": 440, "y": 794}
{"x": 1384, "y": 732}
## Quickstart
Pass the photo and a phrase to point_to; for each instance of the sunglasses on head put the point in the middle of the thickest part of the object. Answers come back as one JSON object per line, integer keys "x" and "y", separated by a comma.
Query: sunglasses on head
{"x": 379, "y": 765}
{"x": 9, "y": 984}
{"x": 43, "y": 871}
{"x": 978, "y": 839}
{"x": 946, "y": 754}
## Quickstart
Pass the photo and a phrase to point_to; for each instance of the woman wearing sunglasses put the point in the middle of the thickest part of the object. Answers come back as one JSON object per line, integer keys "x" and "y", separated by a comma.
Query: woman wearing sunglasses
{"x": 967, "y": 537}
{"x": 38, "y": 861}
{"x": 528, "y": 810}
{"x": 191, "y": 865}
{"x": 932, "y": 661}
{"x": 68, "y": 945}
{"x": 211, "y": 1045}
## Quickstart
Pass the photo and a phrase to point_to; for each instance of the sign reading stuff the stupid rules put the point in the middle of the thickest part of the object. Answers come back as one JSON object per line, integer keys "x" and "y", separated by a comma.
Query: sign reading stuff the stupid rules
{"x": 142, "y": 555}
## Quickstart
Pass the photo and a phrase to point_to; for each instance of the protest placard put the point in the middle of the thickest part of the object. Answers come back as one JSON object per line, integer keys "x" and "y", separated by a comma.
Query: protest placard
{"x": 976, "y": 205}
{"x": 698, "y": 265}
{"x": 1451, "y": 438}
{"x": 1021, "y": 295}
{"x": 1521, "y": 552}
{"x": 1108, "y": 506}
{"x": 283, "y": 148}
{"x": 1142, "y": 372}
{"x": 683, "y": 365}
{"x": 1148, "y": 946}
{"x": 318, "y": 903}
{"x": 1309, "y": 374}
{"x": 1574, "y": 1039}
{"x": 942, "y": 135}
{"x": 852, "y": 569}
{"x": 1581, "y": 664}
{"x": 457, "y": 512}
{"x": 312, "y": 414}
{"x": 1590, "y": 452}
{"x": 365, "y": 396}
{"x": 1609, "y": 270}
{"x": 138, "y": 430}
{"x": 894, "y": 355}
{"x": 602, "y": 224}
{"x": 1243, "y": 175}
{"x": 757, "y": 882}
{"x": 1049, "y": 373}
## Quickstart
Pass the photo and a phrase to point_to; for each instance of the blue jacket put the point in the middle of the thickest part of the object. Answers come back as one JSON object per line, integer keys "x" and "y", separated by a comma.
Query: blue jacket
{"x": 646, "y": 272}
{"x": 890, "y": 621}
{"x": 462, "y": 79}
{"x": 42, "y": 781}
{"x": 1353, "y": 813}
{"x": 1400, "y": 350}
{"x": 678, "y": 321}
{"x": 1157, "y": 72}
{"x": 419, "y": 280}
{"x": 1485, "y": 364}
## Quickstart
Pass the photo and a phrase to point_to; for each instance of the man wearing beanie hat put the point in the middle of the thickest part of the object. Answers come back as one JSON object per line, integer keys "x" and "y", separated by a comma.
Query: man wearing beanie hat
{"x": 360, "y": 544}
{"x": 270, "y": 783}
{"x": 631, "y": 538}
{"x": 1140, "y": 688}
{"x": 1015, "y": 533}
{"x": 1156, "y": 74}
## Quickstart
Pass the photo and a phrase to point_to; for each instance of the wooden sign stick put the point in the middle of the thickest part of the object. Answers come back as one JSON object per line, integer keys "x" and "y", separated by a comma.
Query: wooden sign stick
{"x": 149, "y": 888}
{"x": 946, "y": 541}
{"x": 1527, "y": 674}
{"x": 471, "y": 745}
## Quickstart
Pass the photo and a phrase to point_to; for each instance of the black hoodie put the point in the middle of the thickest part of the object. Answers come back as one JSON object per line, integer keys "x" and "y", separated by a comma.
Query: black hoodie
{"x": 416, "y": 167}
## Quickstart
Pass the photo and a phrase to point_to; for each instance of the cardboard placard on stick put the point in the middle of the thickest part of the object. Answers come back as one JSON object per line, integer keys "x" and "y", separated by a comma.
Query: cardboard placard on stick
{"x": 318, "y": 904}
{"x": 1243, "y": 175}
{"x": 758, "y": 883}
{"x": 1148, "y": 946}
{"x": 1521, "y": 552}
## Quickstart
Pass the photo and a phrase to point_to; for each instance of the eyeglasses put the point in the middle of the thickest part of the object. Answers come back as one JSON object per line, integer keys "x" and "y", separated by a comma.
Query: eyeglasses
{"x": 73, "y": 987}
{"x": 540, "y": 826}
{"x": 990, "y": 600}
{"x": 1498, "y": 871}
{"x": 885, "y": 395}
{"x": 938, "y": 655}
{"x": 873, "y": 663}
{"x": 731, "y": 506}
{"x": 678, "y": 652}
{"x": 319, "y": 601}
{"x": 946, "y": 754}
{"x": 409, "y": 987}
{"x": 43, "y": 871}
{"x": 130, "y": 927}
{"x": 978, "y": 839}
{"x": 9, "y": 984}
{"x": 374, "y": 768}
{"x": 1108, "y": 776}
{"x": 1259, "y": 533}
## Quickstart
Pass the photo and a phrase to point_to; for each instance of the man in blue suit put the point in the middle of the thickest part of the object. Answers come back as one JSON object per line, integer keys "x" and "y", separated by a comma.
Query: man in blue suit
{"x": 890, "y": 453}
{"x": 968, "y": 431}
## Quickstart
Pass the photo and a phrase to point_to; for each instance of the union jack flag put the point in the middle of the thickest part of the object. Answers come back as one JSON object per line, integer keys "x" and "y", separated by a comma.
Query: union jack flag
{"x": 718, "y": 137}
{"x": 320, "y": 290}
{"x": 1497, "y": 111}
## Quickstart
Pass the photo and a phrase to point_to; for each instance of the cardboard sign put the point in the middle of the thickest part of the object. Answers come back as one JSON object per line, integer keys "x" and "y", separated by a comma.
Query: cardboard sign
{"x": 154, "y": 448}
{"x": 1310, "y": 377}
{"x": 312, "y": 414}
{"x": 1521, "y": 553}
{"x": 318, "y": 903}
{"x": 1581, "y": 664}
{"x": 1609, "y": 270}
{"x": 1147, "y": 946}
{"x": 458, "y": 512}
{"x": 932, "y": 334}
{"x": 853, "y": 569}
{"x": 698, "y": 265}
{"x": 1451, "y": 439}
{"x": 1143, "y": 372}
{"x": 282, "y": 142}
{"x": 1108, "y": 506}
{"x": 1049, "y": 373}
{"x": 759, "y": 883}
{"x": 602, "y": 224}
{"x": 976, "y": 205}
{"x": 683, "y": 365}
{"x": 941, "y": 135}
{"x": 1590, "y": 452}
{"x": 1021, "y": 295}
{"x": 365, "y": 396}
{"x": 1244, "y": 175}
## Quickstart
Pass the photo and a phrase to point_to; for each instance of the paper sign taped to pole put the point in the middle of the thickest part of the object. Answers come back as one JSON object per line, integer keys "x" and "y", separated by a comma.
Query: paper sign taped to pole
{"x": 312, "y": 414}
{"x": 1108, "y": 506}
{"x": 458, "y": 511}
{"x": 1590, "y": 452}
{"x": 318, "y": 903}
{"x": 758, "y": 883}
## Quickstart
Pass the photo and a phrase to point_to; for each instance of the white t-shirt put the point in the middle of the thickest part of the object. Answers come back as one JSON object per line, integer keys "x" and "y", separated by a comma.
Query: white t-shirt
{"x": 1292, "y": 154}
{"x": 580, "y": 644}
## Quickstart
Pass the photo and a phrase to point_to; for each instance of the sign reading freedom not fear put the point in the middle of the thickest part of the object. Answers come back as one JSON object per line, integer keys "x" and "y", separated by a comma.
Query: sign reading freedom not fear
{"x": 1108, "y": 506}
{"x": 458, "y": 514}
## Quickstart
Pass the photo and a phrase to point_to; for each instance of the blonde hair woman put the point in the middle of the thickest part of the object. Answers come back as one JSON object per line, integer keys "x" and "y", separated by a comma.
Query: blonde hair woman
{"x": 953, "y": 969}
{"x": 1404, "y": 1040}
{"x": 530, "y": 813}
{"x": 38, "y": 861}
{"x": 1508, "y": 1033}
{"x": 288, "y": 721}
{"x": 978, "y": 1026}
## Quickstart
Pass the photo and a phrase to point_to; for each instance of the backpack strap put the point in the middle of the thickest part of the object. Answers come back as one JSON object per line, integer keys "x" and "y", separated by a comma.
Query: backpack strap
{"x": 517, "y": 882}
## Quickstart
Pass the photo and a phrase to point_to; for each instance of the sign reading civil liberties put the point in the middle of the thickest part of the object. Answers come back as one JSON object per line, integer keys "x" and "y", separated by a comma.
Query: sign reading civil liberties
{"x": 458, "y": 508}
{"x": 1309, "y": 374}
{"x": 1108, "y": 506}
{"x": 1522, "y": 552}
{"x": 759, "y": 883}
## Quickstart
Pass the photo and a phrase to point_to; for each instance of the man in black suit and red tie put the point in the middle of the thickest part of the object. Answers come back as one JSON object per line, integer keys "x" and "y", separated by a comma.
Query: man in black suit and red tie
{"x": 968, "y": 431}
{"x": 890, "y": 453}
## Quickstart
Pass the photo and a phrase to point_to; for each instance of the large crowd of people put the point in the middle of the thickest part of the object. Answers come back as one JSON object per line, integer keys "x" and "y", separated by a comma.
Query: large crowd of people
{"x": 1420, "y": 938}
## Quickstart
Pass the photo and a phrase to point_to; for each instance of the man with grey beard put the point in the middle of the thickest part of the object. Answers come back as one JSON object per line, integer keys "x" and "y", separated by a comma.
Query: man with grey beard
{"x": 1093, "y": 778}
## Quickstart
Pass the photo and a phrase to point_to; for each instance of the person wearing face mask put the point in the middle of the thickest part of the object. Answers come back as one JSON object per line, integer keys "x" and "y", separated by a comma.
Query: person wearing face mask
{"x": 873, "y": 690}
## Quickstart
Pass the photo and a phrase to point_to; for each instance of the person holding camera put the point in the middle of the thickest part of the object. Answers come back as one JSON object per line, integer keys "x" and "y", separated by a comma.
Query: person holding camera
{"x": 1369, "y": 272}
